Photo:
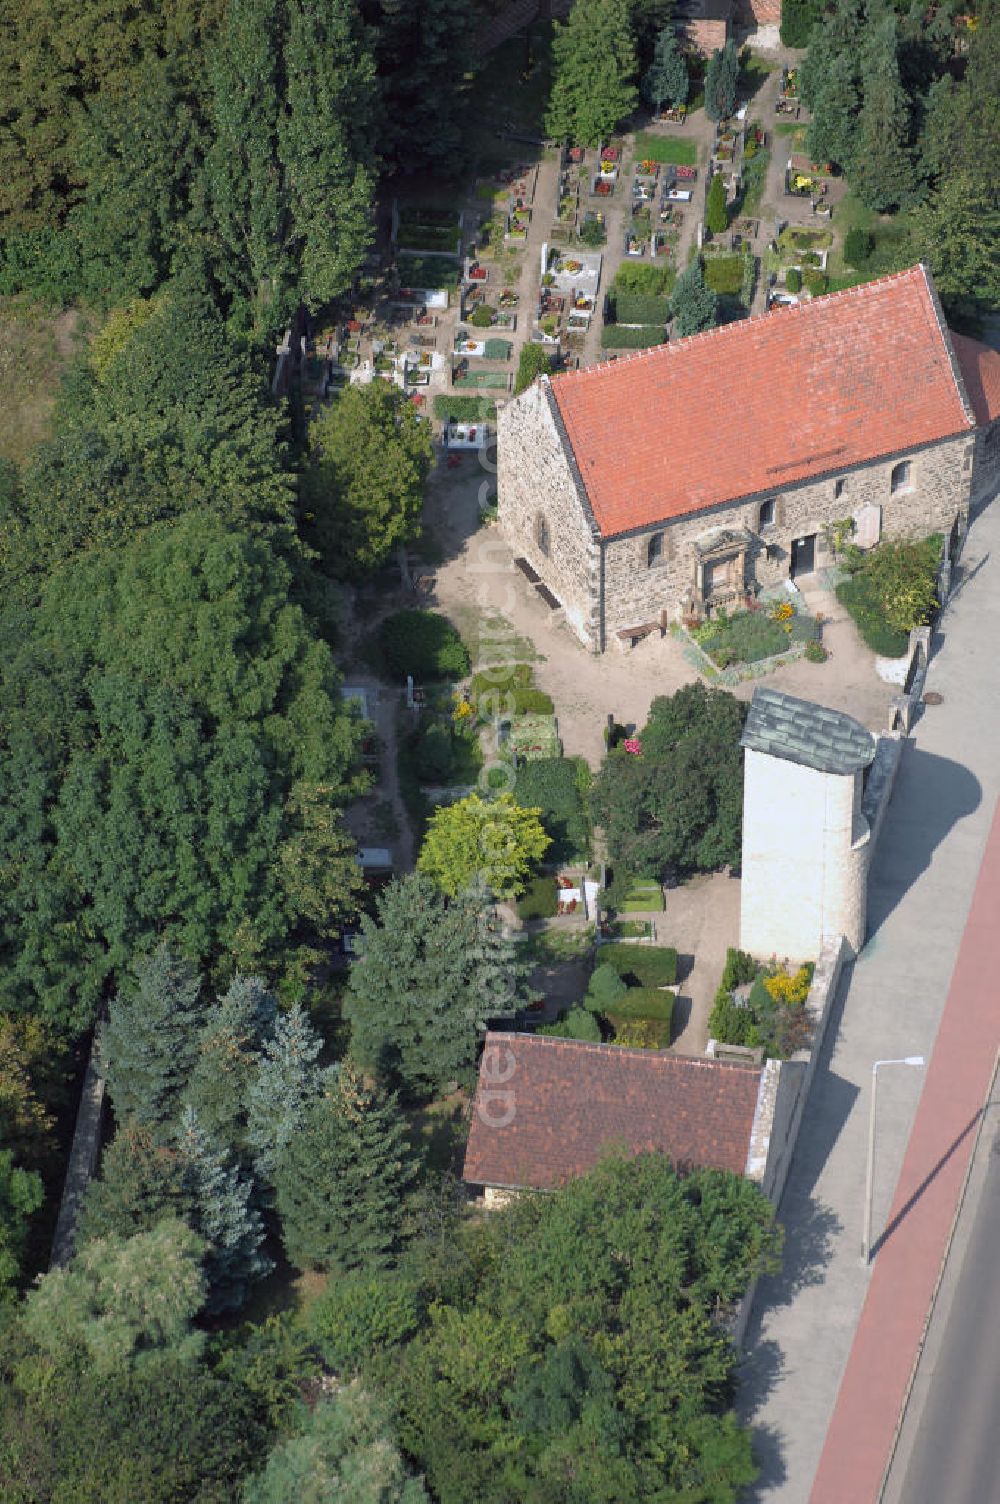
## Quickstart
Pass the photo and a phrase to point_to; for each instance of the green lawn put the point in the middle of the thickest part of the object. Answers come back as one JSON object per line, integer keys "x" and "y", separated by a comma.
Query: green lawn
{"x": 890, "y": 232}
{"x": 677, "y": 151}
{"x": 491, "y": 380}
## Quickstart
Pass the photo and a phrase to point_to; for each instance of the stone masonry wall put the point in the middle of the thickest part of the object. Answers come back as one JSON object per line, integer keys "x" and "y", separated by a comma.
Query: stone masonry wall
{"x": 535, "y": 481}
{"x": 986, "y": 462}
{"x": 635, "y": 592}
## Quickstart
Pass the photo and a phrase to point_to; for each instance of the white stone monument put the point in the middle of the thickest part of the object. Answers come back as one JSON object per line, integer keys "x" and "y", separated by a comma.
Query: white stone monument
{"x": 805, "y": 840}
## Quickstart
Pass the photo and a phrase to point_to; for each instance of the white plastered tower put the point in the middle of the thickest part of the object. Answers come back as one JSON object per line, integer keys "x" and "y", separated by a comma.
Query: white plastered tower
{"x": 805, "y": 839}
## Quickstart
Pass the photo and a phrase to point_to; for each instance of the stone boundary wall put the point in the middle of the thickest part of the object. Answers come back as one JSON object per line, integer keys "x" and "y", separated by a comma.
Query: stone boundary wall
{"x": 83, "y": 1157}
{"x": 784, "y": 1091}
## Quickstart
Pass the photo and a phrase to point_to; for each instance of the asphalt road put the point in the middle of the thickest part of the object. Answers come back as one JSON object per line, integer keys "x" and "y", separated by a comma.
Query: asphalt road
{"x": 956, "y": 1453}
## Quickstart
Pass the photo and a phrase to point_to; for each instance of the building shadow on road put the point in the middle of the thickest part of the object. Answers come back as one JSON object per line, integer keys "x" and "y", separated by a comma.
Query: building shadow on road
{"x": 931, "y": 796}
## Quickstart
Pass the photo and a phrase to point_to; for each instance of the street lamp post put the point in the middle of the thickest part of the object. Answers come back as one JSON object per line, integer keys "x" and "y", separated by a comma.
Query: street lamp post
{"x": 866, "y": 1242}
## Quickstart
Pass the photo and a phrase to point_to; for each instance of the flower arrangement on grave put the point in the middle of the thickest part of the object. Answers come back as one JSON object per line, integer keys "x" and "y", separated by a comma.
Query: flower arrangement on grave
{"x": 633, "y": 746}
{"x": 783, "y": 611}
{"x": 649, "y": 167}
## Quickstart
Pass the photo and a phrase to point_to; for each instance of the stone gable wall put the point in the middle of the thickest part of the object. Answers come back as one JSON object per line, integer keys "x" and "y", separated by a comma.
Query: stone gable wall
{"x": 635, "y": 593}
{"x": 986, "y": 462}
{"x": 534, "y": 480}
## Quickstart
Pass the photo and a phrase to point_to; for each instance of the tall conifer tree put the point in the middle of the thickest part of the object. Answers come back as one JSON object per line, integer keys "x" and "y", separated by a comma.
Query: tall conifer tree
{"x": 150, "y": 1040}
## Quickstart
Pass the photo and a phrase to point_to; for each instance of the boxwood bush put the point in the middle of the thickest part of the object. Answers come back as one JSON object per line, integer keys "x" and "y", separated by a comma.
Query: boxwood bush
{"x": 465, "y": 409}
{"x": 641, "y": 965}
{"x": 554, "y": 785}
{"x": 620, "y": 337}
{"x": 423, "y": 644}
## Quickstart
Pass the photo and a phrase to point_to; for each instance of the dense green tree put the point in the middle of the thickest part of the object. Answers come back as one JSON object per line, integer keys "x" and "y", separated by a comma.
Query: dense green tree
{"x": 341, "y": 1180}
{"x": 957, "y": 232}
{"x": 21, "y": 1194}
{"x": 141, "y": 1182}
{"x": 721, "y": 78}
{"x": 494, "y": 841}
{"x": 342, "y": 1453}
{"x": 695, "y": 305}
{"x": 122, "y": 1299}
{"x": 175, "y": 745}
{"x": 288, "y": 1078}
{"x": 431, "y": 974}
{"x": 837, "y": 35}
{"x": 227, "y": 1059}
{"x": 162, "y": 1430}
{"x": 424, "y": 53}
{"x": 883, "y": 173}
{"x": 798, "y": 17}
{"x": 594, "y": 68}
{"x": 365, "y": 490}
{"x": 665, "y": 81}
{"x": 563, "y": 1371}
{"x": 222, "y": 1215}
{"x": 149, "y": 1043}
{"x": 962, "y": 119}
{"x": 677, "y": 807}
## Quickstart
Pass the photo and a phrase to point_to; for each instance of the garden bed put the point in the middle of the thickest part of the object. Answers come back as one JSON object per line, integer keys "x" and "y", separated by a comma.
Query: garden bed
{"x": 490, "y": 380}
{"x": 428, "y": 273}
{"x": 762, "y": 1007}
{"x": 751, "y": 636}
{"x": 534, "y": 736}
{"x": 632, "y": 337}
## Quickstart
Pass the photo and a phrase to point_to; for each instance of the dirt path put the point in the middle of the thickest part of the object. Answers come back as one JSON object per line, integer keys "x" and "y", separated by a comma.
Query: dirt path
{"x": 701, "y": 920}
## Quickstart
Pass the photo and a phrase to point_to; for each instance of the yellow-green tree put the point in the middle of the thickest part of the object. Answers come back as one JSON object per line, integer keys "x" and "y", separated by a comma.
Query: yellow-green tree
{"x": 493, "y": 841}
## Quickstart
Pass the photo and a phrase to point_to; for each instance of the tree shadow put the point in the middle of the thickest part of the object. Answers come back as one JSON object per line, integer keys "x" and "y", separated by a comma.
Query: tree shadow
{"x": 685, "y": 965}
{"x": 932, "y": 794}
{"x": 767, "y": 1446}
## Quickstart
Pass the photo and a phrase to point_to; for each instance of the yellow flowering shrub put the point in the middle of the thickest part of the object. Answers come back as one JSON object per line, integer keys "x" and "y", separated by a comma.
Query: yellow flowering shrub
{"x": 789, "y": 990}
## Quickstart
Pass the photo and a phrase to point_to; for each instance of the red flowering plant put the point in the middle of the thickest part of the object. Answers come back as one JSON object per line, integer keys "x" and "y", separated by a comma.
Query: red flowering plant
{"x": 633, "y": 746}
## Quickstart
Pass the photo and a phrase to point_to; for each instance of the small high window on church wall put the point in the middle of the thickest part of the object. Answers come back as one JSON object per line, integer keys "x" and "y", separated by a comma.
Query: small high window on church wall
{"x": 654, "y": 550}
{"x": 767, "y": 515}
{"x": 901, "y": 478}
{"x": 839, "y": 489}
{"x": 542, "y": 537}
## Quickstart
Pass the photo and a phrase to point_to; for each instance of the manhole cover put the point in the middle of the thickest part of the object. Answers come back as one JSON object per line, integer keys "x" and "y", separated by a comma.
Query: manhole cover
{"x": 933, "y": 698}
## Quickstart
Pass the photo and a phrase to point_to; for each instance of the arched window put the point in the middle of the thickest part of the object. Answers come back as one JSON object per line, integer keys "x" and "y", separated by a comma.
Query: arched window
{"x": 654, "y": 553}
{"x": 900, "y": 480}
{"x": 768, "y": 509}
{"x": 542, "y": 537}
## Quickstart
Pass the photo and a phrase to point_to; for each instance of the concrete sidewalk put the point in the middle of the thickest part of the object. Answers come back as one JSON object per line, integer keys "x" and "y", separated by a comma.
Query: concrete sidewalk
{"x": 890, "y": 1004}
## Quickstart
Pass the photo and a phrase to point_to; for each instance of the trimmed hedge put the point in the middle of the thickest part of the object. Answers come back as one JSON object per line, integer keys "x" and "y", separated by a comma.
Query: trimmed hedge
{"x": 427, "y": 271}
{"x": 641, "y": 965}
{"x": 423, "y": 644}
{"x": 465, "y": 409}
{"x": 643, "y": 1019}
{"x": 619, "y": 337}
{"x": 539, "y": 900}
{"x": 553, "y": 785}
{"x": 724, "y": 274}
{"x": 860, "y": 598}
{"x": 643, "y": 280}
{"x": 633, "y": 308}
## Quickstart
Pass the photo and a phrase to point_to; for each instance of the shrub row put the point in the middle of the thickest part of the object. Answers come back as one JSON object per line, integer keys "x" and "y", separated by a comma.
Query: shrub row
{"x": 619, "y": 337}
{"x": 641, "y": 965}
{"x": 643, "y": 280}
{"x": 465, "y": 409}
{"x": 635, "y": 308}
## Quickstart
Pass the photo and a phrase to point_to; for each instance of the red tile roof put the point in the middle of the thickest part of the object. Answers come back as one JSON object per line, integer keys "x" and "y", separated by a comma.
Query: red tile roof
{"x": 980, "y": 367}
{"x": 763, "y": 403}
{"x": 546, "y": 1109}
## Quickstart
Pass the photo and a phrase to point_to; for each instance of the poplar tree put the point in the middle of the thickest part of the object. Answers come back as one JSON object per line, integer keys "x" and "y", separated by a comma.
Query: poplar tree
{"x": 883, "y": 174}
{"x": 695, "y": 305}
{"x": 342, "y": 1179}
{"x": 149, "y": 1044}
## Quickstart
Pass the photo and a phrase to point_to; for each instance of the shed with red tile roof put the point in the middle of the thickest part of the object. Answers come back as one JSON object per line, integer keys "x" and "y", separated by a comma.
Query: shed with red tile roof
{"x": 547, "y": 1110}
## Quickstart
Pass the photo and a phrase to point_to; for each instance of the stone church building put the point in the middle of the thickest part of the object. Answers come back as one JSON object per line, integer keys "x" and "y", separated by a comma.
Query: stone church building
{"x": 677, "y": 480}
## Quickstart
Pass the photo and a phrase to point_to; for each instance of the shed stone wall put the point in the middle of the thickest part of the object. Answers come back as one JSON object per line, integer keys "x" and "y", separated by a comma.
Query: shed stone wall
{"x": 635, "y": 592}
{"x": 535, "y": 482}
